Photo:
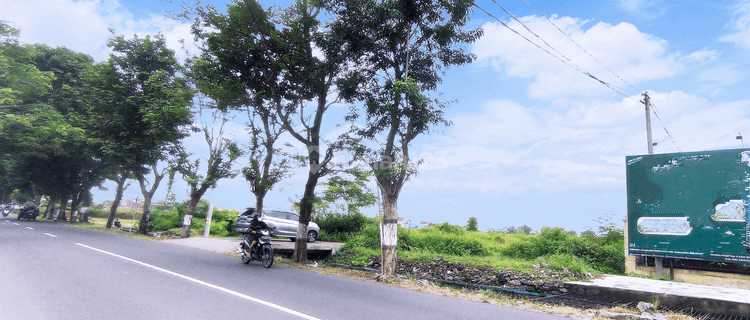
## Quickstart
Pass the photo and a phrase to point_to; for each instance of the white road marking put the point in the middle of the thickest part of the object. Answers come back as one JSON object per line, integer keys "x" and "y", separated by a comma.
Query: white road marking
{"x": 201, "y": 282}
{"x": 51, "y": 235}
{"x": 16, "y": 224}
{"x": 30, "y": 228}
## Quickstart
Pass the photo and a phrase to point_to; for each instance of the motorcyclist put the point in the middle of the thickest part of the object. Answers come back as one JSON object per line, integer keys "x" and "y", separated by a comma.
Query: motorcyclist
{"x": 256, "y": 224}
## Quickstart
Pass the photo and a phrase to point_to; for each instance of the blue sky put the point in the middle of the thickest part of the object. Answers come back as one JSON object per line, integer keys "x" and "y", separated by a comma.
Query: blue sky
{"x": 533, "y": 140}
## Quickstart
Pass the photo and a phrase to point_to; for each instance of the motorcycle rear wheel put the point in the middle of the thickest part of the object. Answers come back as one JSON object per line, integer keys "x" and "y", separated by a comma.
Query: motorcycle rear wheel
{"x": 245, "y": 255}
{"x": 266, "y": 255}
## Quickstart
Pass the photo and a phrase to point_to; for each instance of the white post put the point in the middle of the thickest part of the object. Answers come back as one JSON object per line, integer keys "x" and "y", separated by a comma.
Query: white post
{"x": 210, "y": 212}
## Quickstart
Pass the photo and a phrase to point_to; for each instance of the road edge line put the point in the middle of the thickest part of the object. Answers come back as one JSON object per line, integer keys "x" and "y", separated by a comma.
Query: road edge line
{"x": 201, "y": 282}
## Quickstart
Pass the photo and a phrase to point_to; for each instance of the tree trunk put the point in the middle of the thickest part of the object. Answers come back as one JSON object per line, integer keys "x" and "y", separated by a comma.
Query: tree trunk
{"x": 120, "y": 179}
{"x": 63, "y": 207}
{"x": 74, "y": 205}
{"x": 143, "y": 225}
{"x": 188, "y": 219}
{"x": 48, "y": 214}
{"x": 148, "y": 195}
{"x": 389, "y": 235}
{"x": 305, "y": 210}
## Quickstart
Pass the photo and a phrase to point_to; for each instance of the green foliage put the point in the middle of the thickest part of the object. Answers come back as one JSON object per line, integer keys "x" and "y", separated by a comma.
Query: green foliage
{"x": 604, "y": 253}
{"x": 449, "y": 229}
{"x": 472, "y": 225}
{"x": 437, "y": 241}
{"x": 222, "y": 221}
{"x": 552, "y": 248}
{"x": 163, "y": 220}
{"x": 564, "y": 261}
{"x": 337, "y": 227}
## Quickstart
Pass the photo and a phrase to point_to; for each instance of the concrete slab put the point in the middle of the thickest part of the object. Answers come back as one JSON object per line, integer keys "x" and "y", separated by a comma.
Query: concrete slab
{"x": 229, "y": 245}
{"x": 673, "y": 294}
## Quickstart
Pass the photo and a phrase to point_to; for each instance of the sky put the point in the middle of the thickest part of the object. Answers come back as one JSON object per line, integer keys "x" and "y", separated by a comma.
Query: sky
{"x": 534, "y": 140}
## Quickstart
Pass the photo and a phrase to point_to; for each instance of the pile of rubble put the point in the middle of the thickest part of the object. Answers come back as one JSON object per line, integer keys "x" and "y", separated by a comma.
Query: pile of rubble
{"x": 539, "y": 281}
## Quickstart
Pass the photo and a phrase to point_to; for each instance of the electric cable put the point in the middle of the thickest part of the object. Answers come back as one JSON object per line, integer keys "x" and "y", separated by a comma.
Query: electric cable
{"x": 663, "y": 126}
{"x": 608, "y": 85}
{"x": 549, "y": 53}
{"x": 584, "y": 50}
{"x": 550, "y": 46}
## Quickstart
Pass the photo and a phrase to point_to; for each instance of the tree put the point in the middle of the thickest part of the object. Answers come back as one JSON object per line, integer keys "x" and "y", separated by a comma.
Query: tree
{"x": 148, "y": 190}
{"x": 272, "y": 56}
{"x": 48, "y": 150}
{"x": 401, "y": 46}
{"x": 140, "y": 105}
{"x": 237, "y": 75}
{"x": 471, "y": 225}
{"x": 221, "y": 154}
{"x": 525, "y": 229}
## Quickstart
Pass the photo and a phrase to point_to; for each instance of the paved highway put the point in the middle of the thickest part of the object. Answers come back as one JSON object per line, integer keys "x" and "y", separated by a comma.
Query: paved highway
{"x": 51, "y": 270}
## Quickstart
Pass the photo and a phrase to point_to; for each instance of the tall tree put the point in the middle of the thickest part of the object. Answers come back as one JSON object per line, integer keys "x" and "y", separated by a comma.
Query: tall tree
{"x": 222, "y": 152}
{"x": 272, "y": 56}
{"x": 238, "y": 76}
{"x": 42, "y": 135}
{"x": 141, "y": 106}
{"x": 148, "y": 189}
{"x": 402, "y": 46}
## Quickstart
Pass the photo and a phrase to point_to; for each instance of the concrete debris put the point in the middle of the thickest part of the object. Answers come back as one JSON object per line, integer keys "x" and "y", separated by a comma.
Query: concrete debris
{"x": 628, "y": 316}
{"x": 644, "y": 306}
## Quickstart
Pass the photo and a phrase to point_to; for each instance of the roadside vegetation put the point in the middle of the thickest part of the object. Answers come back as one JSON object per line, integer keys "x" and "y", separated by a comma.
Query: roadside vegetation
{"x": 552, "y": 248}
{"x": 168, "y": 221}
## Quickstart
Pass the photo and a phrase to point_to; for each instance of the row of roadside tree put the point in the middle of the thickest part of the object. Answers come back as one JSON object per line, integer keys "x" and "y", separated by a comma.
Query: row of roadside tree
{"x": 69, "y": 124}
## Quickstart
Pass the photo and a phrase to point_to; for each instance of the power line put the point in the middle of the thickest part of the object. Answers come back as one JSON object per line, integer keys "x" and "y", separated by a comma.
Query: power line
{"x": 571, "y": 64}
{"x": 584, "y": 50}
{"x": 549, "y": 53}
{"x": 549, "y": 45}
{"x": 663, "y": 126}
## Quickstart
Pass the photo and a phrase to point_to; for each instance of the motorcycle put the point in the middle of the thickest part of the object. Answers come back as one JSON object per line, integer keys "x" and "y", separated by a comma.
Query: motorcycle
{"x": 28, "y": 212}
{"x": 6, "y": 211}
{"x": 256, "y": 243}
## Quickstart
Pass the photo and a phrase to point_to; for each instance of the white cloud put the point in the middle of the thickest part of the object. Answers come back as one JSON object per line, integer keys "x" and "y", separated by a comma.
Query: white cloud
{"x": 508, "y": 148}
{"x": 83, "y": 25}
{"x": 740, "y": 24}
{"x": 629, "y": 53}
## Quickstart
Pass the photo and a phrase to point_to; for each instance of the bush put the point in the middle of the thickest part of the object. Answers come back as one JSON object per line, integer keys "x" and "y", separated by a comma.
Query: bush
{"x": 449, "y": 228}
{"x": 339, "y": 228}
{"x": 160, "y": 220}
{"x": 604, "y": 254}
{"x": 443, "y": 243}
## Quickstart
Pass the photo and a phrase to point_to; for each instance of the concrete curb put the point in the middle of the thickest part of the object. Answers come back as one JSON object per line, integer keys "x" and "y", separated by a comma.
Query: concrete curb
{"x": 720, "y": 300}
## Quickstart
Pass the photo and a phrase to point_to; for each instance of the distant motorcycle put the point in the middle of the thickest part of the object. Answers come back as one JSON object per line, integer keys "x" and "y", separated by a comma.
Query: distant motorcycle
{"x": 256, "y": 241}
{"x": 6, "y": 211}
{"x": 28, "y": 212}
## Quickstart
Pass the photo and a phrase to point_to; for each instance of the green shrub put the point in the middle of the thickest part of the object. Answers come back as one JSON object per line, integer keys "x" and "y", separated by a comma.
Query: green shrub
{"x": 449, "y": 228}
{"x": 164, "y": 220}
{"x": 564, "y": 261}
{"x": 604, "y": 254}
{"x": 337, "y": 227}
{"x": 219, "y": 228}
{"x": 443, "y": 243}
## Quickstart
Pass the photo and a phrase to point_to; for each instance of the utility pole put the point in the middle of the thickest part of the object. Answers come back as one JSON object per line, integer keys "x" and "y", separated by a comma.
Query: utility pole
{"x": 658, "y": 262}
{"x": 647, "y": 102}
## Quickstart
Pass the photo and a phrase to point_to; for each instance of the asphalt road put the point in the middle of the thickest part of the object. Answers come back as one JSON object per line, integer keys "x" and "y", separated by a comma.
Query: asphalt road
{"x": 50, "y": 270}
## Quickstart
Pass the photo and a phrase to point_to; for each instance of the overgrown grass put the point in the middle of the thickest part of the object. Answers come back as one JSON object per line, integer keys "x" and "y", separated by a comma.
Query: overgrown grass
{"x": 553, "y": 248}
{"x": 169, "y": 219}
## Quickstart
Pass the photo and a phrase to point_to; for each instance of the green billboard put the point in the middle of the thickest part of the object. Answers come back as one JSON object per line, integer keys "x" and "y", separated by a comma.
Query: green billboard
{"x": 691, "y": 205}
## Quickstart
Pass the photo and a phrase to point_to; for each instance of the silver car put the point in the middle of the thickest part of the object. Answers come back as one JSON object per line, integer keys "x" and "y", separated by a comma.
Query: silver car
{"x": 287, "y": 223}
